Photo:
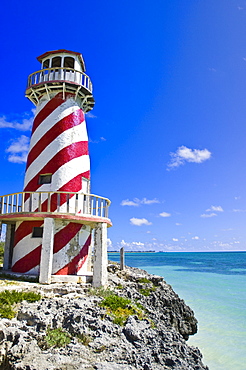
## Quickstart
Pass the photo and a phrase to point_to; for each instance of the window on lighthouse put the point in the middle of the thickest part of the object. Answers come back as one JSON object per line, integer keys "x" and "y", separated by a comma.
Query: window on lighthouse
{"x": 37, "y": 232}
{"x": 69, "y": 62}
{"x": 45, "y": 179}
{"x": 56, "y": 62}
{"x": 46, "y": 64}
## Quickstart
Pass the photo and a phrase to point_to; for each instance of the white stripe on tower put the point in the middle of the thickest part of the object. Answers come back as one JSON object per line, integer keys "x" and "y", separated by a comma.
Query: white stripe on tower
{"x": 59, "y": 146}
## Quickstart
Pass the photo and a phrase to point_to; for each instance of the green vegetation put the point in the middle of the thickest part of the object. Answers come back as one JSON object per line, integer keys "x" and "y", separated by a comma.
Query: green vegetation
{"x": 100, "y": 349}
{"x": 144, "y": 281}
{"x": 8, "y": 298}
{"x": 121, "y": 308}
{"x": 56, "y": 338}
{"x": 1, "y": 251}
{"x": 146, "y": 291}
{"x": 84, "y": 339}
{"x": 100, "y": 292}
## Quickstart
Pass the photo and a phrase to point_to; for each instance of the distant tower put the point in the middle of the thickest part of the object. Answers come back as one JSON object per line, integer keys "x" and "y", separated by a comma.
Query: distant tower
{"x": 56, "y": 190}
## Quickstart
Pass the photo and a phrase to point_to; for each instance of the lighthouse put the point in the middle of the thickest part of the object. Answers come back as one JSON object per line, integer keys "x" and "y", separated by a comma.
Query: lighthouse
{"x": 51, "y": 223}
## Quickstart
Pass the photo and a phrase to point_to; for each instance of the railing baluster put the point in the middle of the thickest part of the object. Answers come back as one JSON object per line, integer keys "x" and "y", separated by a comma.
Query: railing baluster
{"x": 7, "y": 204}
{"x": 96, "y": 207}
{"x": 76, "y": 203}
{"x": 101, "y": 204}
{"x": 17, "y": 203}
{"x": 48, "y": 206}
{"x": 67, "y": 202}
{"x": 22, "y": 202}
{"x": 92, "y": 205}
{"x": 30, "y": 202}
{"x": 40, "y": 202}
{"x": 58, "y": 202}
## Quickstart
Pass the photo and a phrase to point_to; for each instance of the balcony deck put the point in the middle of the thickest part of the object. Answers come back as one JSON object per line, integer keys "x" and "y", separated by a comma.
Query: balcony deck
{"x": 61, "y": 79}
{"x": 79, "y": 207}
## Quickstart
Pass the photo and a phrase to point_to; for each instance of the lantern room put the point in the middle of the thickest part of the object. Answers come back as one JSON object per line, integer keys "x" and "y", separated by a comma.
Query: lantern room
{"x": 62, "y": 59}
{"x": 61, "y": 71}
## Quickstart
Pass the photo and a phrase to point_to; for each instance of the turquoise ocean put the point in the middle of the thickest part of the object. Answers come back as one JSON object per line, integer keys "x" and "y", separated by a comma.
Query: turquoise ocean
{"x": 213, "y": 284}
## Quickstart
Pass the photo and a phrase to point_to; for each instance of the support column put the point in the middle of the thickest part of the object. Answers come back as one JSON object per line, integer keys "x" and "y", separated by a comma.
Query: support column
{"x": 47, "y": 251}
{"x": 100, "y": 272}
{"x": 7, "y": 248}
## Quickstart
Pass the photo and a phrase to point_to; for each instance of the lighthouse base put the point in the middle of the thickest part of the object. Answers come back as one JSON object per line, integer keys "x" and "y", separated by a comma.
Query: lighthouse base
{"x": 70, "y": 260}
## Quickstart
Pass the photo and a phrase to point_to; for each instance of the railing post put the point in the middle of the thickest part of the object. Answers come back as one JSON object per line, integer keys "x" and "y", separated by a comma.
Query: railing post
{"x": 122, "y": 258}
{"x": 30, "y": 202}
{"x": 22, "y": 202}
{"x": 100, "y": 263}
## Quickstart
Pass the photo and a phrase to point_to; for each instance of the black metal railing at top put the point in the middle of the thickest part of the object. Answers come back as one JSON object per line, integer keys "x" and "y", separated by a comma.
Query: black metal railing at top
{"x": 60, "y": 74}
{"x": 55, "y": 202}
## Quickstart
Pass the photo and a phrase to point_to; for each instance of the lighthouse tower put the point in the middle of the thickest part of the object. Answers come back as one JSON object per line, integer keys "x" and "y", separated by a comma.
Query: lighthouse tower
{"x": 50, "y": 223}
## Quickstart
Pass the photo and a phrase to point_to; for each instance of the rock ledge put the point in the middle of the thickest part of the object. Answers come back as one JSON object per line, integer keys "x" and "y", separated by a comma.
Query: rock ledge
{"x": 156, "y": 342}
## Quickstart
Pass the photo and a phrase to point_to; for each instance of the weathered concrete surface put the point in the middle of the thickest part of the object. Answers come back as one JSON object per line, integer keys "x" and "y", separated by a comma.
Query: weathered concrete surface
{"x": 154, "y": 343}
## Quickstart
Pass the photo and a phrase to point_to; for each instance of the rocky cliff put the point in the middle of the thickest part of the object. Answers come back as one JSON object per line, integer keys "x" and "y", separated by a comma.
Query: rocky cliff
{"x": 148, "y": 331}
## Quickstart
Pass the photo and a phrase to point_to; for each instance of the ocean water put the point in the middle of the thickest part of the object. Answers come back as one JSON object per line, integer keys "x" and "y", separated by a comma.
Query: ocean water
{"x": 213, "y": 284}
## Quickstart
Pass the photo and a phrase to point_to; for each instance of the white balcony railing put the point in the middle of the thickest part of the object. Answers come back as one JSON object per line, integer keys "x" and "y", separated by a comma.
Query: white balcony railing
{"x": 59, "y": 202}
{"x": 60, "y": 74}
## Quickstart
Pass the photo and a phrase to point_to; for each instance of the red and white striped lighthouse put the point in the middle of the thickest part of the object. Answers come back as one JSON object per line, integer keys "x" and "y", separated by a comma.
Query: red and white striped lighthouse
{"x": 59, "y": 212}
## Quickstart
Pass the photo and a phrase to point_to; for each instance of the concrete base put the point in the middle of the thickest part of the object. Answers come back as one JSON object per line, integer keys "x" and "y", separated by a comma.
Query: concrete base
{"x": 18, "y": 275}
{"x": 80, "y": 279}
{"x": 83, "y": 279}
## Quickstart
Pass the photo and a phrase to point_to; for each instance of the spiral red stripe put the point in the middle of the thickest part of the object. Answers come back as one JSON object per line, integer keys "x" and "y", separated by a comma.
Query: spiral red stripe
{"x": 48, "y": 109}
{"x": 63, "y": 236}
{"x": 28, "y": 262}
{"x": 25, "y": 229}
{"x": 74, "y": 150}
{"x": 55, "y": 131}
{"x": 76, "y": 264}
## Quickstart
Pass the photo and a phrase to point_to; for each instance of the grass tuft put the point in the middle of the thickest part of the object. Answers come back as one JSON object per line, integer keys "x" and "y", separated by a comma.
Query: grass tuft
{"x": 121, "y": 308}
{"x": 144, "y": 281}
{"x": 56, "y": 338}
{"x": 8, "y": 298}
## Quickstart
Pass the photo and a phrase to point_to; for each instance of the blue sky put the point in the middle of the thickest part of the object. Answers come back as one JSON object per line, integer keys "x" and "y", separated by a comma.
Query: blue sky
{"x": 167, "y": 134}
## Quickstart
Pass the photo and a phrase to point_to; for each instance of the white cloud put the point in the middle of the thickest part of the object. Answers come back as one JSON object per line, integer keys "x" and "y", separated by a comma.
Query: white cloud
{"x": 18, "y": 150}
{"x": 136, "y": 202}
{"x": 140, "y": 221}
{"x": 128, "y": 202}
{"x": 184, "y": 154}
{"x": 149, "y": 201}
{"x": 178, "y": 224}
{"x": 24, "y": 125}
{"x": 239, "y": 210}
{"x": 164, "y": 214}
{"x": 215, "y": 209}
{"x": 175, "y": 240}
{"x": 109, "y": 243}
{"x": 195, "y": 237}
{"x": 206, "y": 215}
